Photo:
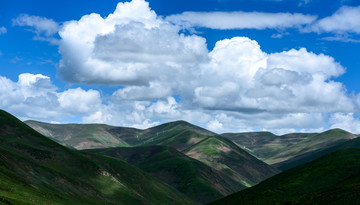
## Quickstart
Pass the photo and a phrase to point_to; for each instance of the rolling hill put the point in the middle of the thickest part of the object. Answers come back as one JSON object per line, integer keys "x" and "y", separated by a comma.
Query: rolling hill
{"x": 316, "y": 142}
{"x": 207, "y": 147}
{"x": 310, "y": 156}
{"x": 264, "y": 145}
{"x": 79, "y": 136}
{"x": 37, "y": 170}
{"x": 191, "y": 177}
{"x": 331, "y": 179}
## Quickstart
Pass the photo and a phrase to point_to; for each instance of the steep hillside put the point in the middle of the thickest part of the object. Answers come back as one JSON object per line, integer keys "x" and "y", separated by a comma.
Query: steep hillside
{"x": 331, "y": 179}
{"x": 224, "y": 156}
{"x": 264, "y": 145}
{"x": 314, "y": 143}
{"x": 79, "y": 136}
{"x": 310, "y": 156}
{"x": 36, "y": 170}
{"x": 191, "y": 177}
{"x": 89, "y": 136}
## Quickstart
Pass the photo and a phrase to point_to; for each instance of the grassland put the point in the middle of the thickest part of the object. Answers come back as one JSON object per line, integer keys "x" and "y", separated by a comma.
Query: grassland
{"x": 331, "y": 179}
{"x": 37, "y": 170}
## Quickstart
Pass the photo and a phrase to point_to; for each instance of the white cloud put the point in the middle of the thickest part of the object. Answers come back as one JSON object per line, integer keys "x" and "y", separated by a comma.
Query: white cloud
{"x": 154, "y": 91}
{"x": 235, "y": 87}
{"x": 215, "y": 126}
{"x": 130, "y": 46}
{"x": 79, "y": 101}
{"x": 44, "y": 28}
{"x": 35, "y": 97}
{"x": 3, "y": 30}
{"x": 241, "y": 20}
{"x": 345, "y": 20}
{"x": 241, "y": 77}
{"x": 345, "y": 121}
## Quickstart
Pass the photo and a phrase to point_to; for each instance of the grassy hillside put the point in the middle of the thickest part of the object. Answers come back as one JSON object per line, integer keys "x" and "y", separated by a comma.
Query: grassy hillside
{"x": 310, "y": 156}
{"x": 36, "y": 170}
{"x": 79, "y": 136}
{"x": 200, "y": 144}
{"x": 331, "y": 179}
{"x": 191, "y": 177}
{"x": 264, "y": 145}
{"x": 314, "y": 143}
{"x": 224, "y": 156}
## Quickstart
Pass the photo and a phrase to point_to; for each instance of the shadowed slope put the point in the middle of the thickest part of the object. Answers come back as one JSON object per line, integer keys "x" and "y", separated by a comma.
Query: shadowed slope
{"x": 310, "y": 156}
{"x": 191, "y": 177}
{"x": 314, "y": 143}
{"x": 198, "y": 143}
{"x": 34, "y": 169}
{"x": 331, "y": 179}
{"x": 264, "y": 145}
{"x": 79, "y": 136}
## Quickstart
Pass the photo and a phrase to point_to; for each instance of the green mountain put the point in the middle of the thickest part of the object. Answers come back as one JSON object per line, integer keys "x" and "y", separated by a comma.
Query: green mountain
{"x": 191, "y": 177}
{"x": 37, "y": 170}
{"x": 224, "y": 156}
{"x": 310, "y": 156}
{"x": 264, "y": 145}
{"x": 331, "y": 179}
{"x": 207, "y": 147}
{"x": 79, "y": 136}
{"x": 314, "y": 143}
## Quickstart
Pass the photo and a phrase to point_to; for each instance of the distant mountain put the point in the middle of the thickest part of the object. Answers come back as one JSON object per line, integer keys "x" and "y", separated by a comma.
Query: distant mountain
{"x": 79, "y": 136}
{"x": 191, "y": 177}
{"x": 310, "y": 156}
{"x": 264, "y": 145}
{"x": 226, "y": 157}
{"x": 207, "y": 147}
{"x": 316, "y": 142}
{"x": 36, "y": 170}
{"x": 331, "y": 179}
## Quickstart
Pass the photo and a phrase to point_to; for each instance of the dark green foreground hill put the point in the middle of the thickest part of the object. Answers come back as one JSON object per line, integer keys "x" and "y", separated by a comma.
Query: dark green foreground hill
{"x": 191, "y": 177}
{"x": 331, "y": 179}
{"x": 235, "y": 168}
{"x": 37, "y": 170}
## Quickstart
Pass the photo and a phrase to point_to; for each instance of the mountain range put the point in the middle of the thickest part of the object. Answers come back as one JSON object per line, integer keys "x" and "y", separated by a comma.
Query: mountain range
{"x": 173, "y": 163}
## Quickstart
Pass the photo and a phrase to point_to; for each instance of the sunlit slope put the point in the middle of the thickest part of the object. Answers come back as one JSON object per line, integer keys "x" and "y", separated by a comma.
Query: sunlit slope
{"x": 314, "y": 143}
{"x": 36, "y": 170}
{"x": 226, "y": 157}
{"x": 331, "y": 179}
{"x": 79, "y": 136}
{"x": 264, "y": 145}
{"x": 191, "y": 177}
{"x": 195, "y": 142}
{"x": 310, "y": 156}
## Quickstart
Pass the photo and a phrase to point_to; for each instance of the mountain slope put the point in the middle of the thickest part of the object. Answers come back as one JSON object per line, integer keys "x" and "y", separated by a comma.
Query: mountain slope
{"x": 34, "y": 169}
{"x": 195, "y": 142}
{"x": 264, "y": 145}
{"x": 79, "y": 136}
{"x": 310, "y": 156}
{"x": 331, "y": 179}
{"x": 191, "y": 177}
{"x": 314, "y": 143}
{"x": 224, "y": 156}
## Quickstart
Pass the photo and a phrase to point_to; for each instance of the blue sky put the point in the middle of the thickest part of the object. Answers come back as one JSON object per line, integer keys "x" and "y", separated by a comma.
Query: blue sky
{"x": 226, "y": 65}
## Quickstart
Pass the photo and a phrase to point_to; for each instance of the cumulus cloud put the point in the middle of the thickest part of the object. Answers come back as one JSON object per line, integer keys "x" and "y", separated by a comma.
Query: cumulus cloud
{"x": 241, "y": 20}
{"x": 34, "y": 96}
{"x": 345, "y": 20}
{"x": 44, "y": 28}
{"x": 166, "y": 75}
{"x": 131, "y": 46}
{"x": 3, "y": 30}
{"x": 346, "y": 121}
{"x": 241, "y": 77}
